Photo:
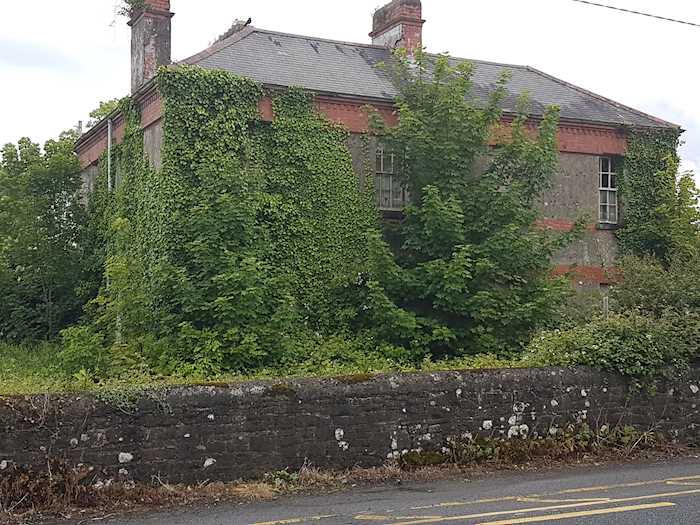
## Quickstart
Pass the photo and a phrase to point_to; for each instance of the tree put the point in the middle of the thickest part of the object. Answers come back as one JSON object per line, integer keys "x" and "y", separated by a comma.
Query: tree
{"x": 652, "y": 287}
{"x": 471, "y": 267}
{"x": 128, "y": 8}
{"x": 40, "y": 227}
{"x": 103, "y": 111}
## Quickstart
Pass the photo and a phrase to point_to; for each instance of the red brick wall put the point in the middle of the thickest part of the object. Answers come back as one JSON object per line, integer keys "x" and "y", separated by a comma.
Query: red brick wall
{"x": 405, "y": 13}
{"x": 159, "y": 5}
{"x": 353, "y": 115}
{"x": 561, "y": 225}
{"x": 594, "y": 141}
{"x": 573, "y": 138}
{"x": 413, "y": 36}
{"x": 90, "y": 152}
{"x": 151, "y": 109}
{"x": 588, "y": 274}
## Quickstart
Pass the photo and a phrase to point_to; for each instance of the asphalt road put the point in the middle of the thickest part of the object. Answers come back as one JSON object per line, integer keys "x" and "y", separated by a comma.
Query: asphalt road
{"x": 635, "y": 494}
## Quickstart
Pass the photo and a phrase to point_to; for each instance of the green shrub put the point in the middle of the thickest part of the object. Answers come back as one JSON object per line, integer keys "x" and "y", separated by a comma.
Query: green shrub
{"x": 83, "y": 349}
{"x": 632, "y": 344}
{"x": 652, "y": 287}
{"x": 662, "y": 217}
{"x": 581, "y": 306}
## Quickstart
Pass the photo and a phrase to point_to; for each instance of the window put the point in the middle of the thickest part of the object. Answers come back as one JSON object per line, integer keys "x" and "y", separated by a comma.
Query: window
{"x": 390, "y": 194}
{"x": 608, "y": 192}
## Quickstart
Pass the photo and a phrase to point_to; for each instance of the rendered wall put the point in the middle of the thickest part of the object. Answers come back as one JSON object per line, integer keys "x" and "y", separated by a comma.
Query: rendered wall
{"x": 574, "y": 194}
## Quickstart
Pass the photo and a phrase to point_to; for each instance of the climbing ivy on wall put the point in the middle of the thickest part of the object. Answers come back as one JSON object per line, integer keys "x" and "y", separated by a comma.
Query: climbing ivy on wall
{"x": 256, "y": 243}
{"x": 660, "y": 206}
{"x": 251, "y": 233}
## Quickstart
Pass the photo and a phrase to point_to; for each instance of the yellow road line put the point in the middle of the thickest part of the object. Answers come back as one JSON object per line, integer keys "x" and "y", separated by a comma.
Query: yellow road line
{"x": 610, "y": 487}
{"x": 599, "y": 488}
{"x": 568, "y": 500}
{"x": 545, "y": 509}
{"x": 582, "y": 514}
{"x": 686, "y": 478}
{"x": 372, "y": 517}
{"x": 291, "y": 521}
{"x": 462, "y": 503}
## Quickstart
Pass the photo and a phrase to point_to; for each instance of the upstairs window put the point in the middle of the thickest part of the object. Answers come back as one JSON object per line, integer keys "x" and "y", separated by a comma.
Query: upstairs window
{"x": 390, "y": 194}
{"x": 609, "y": 206}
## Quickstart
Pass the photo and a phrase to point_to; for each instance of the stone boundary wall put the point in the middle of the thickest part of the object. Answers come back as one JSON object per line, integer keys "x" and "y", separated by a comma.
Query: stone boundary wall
{"x": 227, "y": 432}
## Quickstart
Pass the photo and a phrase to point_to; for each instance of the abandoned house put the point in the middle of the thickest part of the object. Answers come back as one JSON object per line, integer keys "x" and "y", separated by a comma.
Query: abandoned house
{"x": 343, "y": 78}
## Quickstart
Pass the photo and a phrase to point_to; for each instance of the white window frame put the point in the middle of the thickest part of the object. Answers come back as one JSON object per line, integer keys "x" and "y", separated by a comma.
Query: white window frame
{"x": 381, "y": 174}
{"x": 610, "y": 191}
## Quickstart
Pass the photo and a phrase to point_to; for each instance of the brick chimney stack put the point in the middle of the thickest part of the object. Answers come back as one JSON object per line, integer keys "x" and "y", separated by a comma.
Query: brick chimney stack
{"x": 150, "y": 40}
{"x": 399, "y": 24}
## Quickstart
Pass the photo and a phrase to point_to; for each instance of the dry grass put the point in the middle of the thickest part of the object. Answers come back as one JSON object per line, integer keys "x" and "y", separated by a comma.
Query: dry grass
{"x": 29, "y": 497}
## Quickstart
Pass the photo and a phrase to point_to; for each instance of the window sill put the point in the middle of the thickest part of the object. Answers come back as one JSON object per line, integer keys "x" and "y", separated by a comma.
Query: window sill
{"x": 607, "y": 226}
{"x": 392, "y": 215}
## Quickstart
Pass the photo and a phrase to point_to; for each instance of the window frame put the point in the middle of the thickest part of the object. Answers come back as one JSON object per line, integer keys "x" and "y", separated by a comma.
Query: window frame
{"x": 381, "y": 174}
{"x": 610, "y": 190}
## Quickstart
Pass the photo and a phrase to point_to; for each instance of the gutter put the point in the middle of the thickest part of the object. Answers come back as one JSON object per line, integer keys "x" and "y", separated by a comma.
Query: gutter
{"x": 101, "y": 127}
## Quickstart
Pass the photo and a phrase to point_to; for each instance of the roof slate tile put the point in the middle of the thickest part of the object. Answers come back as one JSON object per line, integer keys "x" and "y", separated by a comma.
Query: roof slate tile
{"x": 319, "y": 65}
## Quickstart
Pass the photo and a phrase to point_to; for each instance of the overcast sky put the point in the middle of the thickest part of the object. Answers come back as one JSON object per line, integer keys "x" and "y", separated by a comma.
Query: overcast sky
{"x": 58, "y": 59}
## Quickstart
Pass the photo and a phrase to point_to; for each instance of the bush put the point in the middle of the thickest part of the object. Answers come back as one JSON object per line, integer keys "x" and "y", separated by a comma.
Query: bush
{"x": 631, "y": 344}
{"x": 649, "y": 286}
{"x": 581, "y": 306}
{"x": 83, "y": 349}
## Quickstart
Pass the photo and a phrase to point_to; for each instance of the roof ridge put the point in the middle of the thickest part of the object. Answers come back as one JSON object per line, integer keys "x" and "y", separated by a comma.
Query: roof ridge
{"x": 329, "y": 40}
{"x": 607, "y": 100}
{"x": 479, "y": 61}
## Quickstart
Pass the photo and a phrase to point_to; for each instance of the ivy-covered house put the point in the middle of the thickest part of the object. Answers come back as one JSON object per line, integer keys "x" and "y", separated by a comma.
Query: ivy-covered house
{"x": 344, "y": 78}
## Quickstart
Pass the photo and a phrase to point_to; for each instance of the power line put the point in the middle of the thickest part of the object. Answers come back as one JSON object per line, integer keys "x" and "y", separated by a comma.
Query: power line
{"x": 638, "y": 13}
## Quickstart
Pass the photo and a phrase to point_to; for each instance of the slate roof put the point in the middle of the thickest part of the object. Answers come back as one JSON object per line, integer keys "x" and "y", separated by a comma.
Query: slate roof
{"x": 328, "y": 66}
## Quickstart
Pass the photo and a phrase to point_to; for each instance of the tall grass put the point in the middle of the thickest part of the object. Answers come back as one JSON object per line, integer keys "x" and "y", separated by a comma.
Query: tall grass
{"x": 31, "y": 369}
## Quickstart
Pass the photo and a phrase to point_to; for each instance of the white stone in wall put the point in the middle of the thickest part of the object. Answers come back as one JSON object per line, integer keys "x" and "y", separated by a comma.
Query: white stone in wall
{"x": 125, "y": 457}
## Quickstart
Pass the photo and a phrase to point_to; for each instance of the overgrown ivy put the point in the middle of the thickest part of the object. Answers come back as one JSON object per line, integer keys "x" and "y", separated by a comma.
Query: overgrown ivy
{"x": 660, "y": 213}
{"x": 249, "y": 237}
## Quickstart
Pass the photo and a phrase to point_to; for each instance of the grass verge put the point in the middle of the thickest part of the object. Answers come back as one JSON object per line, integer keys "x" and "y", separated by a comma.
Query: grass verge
{"x": 36, "y": 369}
